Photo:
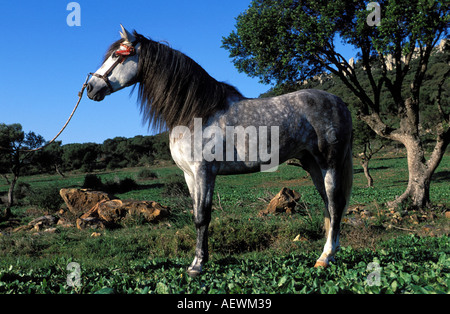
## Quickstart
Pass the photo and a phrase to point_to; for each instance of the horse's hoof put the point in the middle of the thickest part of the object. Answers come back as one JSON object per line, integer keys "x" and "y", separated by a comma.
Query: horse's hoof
{"x": 192, "y": 272}
{"x": 320, "y": 264}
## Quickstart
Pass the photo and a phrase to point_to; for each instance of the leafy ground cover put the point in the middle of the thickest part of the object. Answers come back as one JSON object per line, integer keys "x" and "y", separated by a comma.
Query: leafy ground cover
{"x": 383, "y": 250}
{"x": 407, "y": 264}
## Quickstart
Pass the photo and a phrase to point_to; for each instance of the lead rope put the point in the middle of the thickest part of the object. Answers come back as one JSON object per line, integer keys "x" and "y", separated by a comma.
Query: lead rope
{"x": 80, "y": 95}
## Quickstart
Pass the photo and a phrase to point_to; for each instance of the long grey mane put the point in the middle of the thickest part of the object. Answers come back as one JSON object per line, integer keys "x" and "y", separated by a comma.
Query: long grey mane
{"x": 173, "y": 88}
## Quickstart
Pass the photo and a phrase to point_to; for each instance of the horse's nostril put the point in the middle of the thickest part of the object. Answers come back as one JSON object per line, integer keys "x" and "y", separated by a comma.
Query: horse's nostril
{"x": 89, "y": 87}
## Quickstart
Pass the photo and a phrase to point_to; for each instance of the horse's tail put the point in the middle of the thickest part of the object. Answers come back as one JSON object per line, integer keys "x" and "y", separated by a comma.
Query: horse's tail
{"x": 346, "y": 183}
{"x": 347, "y": 177}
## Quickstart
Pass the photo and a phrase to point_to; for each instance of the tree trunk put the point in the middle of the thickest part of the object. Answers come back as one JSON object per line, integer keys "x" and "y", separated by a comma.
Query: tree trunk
{"x": 420, "y": 172}
{"x": 58, "y": 171}
{"x": 365, "y": 165}
{"x": 11, "y": 192}
{"x": 7, "y": 211}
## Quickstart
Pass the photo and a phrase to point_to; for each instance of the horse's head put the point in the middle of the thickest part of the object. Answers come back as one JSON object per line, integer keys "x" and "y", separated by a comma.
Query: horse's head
{"x": 119, "y": 69}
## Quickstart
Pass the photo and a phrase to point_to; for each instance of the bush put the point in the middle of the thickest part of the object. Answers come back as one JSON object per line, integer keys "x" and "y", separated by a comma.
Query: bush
{"x": 91, "y": 181}
{"x": 175, "y": 186}
{"x": 21, "y": 190}
{"x": 119, "y": 185}
{"x": 116, "y": 185}
{"x": 46, "y": 198}
{"x": 147, "y": 174}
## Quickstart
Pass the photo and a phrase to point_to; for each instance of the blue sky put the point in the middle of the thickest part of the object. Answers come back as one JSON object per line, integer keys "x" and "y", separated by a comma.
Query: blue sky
{"x": 45, "y": 62}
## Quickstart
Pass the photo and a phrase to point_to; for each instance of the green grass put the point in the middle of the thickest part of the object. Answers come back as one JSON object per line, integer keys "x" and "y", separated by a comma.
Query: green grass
{"x": 249, "y": 253}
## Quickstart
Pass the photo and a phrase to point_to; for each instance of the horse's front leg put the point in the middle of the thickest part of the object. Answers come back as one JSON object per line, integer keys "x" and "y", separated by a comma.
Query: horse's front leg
{"x": 202, "y": 199}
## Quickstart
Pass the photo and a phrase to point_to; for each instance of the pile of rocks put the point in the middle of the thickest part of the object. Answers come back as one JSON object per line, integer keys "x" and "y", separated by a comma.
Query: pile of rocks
{"x": 102, "y": 210}
{"x": 96, "y": 210}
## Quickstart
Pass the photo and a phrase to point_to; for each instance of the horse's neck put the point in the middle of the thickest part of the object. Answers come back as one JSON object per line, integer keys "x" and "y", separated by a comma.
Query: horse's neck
{"x": 234, "y": 98}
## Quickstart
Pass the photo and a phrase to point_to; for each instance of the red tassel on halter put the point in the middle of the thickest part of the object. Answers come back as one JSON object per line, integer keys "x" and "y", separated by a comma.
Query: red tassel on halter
{"x": 129, "y": 50}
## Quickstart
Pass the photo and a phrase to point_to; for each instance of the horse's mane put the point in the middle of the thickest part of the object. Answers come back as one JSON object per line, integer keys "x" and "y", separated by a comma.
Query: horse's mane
{"x": 173, "y": 88}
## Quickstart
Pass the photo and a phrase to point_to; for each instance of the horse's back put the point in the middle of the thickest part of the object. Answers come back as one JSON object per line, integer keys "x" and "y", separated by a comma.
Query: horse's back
{"x": 311, "y": 104}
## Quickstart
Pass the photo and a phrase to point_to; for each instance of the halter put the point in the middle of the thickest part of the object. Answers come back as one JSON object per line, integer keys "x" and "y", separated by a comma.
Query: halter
{"x": 121, "y": 57}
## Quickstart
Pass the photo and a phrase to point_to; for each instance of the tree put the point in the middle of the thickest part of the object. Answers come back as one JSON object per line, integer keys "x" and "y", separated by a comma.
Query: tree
{"x": 365, "y": 141}
{"x": 286, "y": 41}
{"x": 13, "y": 143}
{"x": 49, "y": 159}
{"x": 80, "y": 156}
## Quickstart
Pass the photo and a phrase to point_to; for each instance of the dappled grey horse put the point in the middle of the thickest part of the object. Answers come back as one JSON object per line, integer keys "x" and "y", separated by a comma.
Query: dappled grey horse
{"x": 214, "y": 130}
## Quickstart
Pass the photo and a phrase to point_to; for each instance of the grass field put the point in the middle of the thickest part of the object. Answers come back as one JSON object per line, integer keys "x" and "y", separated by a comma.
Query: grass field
{"x": 405, "y": 251}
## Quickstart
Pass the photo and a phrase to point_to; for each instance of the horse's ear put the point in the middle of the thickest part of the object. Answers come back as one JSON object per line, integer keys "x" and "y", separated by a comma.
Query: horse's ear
{"x": 129, "y": 38}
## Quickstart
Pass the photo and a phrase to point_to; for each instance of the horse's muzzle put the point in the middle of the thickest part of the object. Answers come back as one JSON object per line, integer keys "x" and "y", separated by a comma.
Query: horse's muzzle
{"x": 97, "y": 91}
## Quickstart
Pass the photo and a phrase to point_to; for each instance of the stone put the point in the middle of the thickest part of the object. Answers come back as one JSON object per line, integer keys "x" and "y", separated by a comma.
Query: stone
{"x": 90, "y": 223}
{"x": 300, "y": 238}
{"x": 113, "y": 211}
{"x": 51, "y": 230}
{"x": 79, "y": 201}
{"x": 151, "y": 211}
{"x": 23, "y": 228}
{"x": 284, "y": 202}
{"x": 63, "y": 222}
{"x": 353, "y": 221}
{"x": 44, "y": 221}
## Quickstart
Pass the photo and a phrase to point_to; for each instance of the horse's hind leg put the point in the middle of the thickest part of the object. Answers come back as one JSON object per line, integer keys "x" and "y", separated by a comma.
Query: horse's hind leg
{"x": 317, "y": 174}
{"x": 338, "y": 183}
{"x": 334, "y": 208}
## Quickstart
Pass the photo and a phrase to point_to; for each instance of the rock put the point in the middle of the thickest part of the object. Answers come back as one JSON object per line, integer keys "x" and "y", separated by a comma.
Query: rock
{"x": 284, "y": 201}
{"x": 354, "y": 209}
{"x": 299, "y": 238}
{"x": 110, "y": 213}
{"x": 23, "y": 228}
{"x": 44, "y": 221}
{"x": 51, "y": 230}
{"x": 149, "y": 210}
{"x": 79, "y": 201}
{"x": 90, "y": 222}
{"x": 353, "y": 221}
{"x": 63, "y": 222}
{"x": 113, "y": 211}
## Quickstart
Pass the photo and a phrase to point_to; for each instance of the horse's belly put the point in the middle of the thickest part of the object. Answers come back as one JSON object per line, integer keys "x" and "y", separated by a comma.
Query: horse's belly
{"x": 238, "y": 167}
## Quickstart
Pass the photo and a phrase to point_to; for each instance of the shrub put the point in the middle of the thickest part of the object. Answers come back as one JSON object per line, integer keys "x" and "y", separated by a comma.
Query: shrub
{"x": 147, "y": 174}
{"x": 116, "y": 185}
{"x": 119, "y": 185}
{"x": 46, "y": 197}
{"x": 92, "y": 181}
{"x": 21, "y": 191}
{"x": 175, "y": 186}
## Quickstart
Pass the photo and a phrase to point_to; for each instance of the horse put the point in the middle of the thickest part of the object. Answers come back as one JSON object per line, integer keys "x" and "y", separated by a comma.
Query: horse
{"x": 215, "y": 130}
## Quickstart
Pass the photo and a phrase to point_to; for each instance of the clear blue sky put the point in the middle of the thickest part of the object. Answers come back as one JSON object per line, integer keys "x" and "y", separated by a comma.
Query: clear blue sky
{"x": 45, "y": 62}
